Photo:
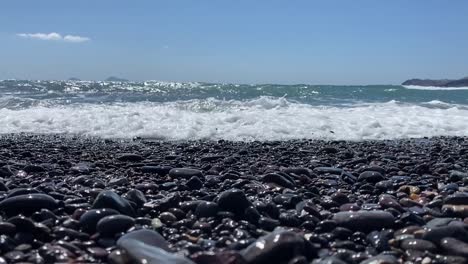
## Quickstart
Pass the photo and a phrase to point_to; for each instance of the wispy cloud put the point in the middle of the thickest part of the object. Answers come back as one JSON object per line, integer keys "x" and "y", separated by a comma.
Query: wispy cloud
{"x": 54, "y": 36}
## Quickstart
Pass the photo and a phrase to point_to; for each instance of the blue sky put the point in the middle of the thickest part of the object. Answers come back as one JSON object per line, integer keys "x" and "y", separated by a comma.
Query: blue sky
{"x": 244, "y": 41}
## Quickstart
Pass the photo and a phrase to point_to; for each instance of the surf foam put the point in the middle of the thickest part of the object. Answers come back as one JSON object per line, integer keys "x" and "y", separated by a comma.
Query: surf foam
{"x": 260, "y": 119}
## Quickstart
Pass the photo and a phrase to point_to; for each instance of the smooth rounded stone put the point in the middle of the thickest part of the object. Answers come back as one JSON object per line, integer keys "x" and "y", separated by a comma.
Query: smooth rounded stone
{"x": 34, "y": 168}
{"x": 438, "y": 233}
{"x": 371, "y": 176}
{"x": 379, "y": 240}
{"x": 5, "y": 172}
{"x": 206, "y": 209}
{"x": 14, "y": 256}
{"x": 278, "y": 247}
{"x": 459, "y": 198}
{"x": 387, "y": 201}
{"x": 438, "y": 222}
{"x": 329, "y": 260}
{"x": 364, "y": 220}
{"x": 458, "y": 175}
{"x": 350, "y": 207}
{"x": 418, "y": 245}
{"x": 209, "y": 158}
{"x": 330, "y": 170}
{"x": 160, "y": 170}
{"x": 89, "y": 219}
{"x": 268, "y": 224}
{"x": 114, "y": 224}
{"x": 233, "y": 200}
{"x": 118, "y": 256}
{"x": 340, "y": 198}
{"x": 109, "y": 199}
{"x": 455, "y": 247}
{"x": 118, "y": 182}
{"x": 28, "y": 203}
{"x": 455, "y": 210}
{"x": 381, "y": 259}
{"x": 194, "y": 183}
{"x": 185, "y": 173}
{"x": 130, "y": 157}
{"x": 167, "y": 218}
{"x": 289, "y": 219}
{"x": 384, "y": 185}
{"x": 22, "y": 223}
{"x": 7, "y": 228}
{"x": 298, "y": 171}
{"x": 149, "y": 247}
{"x": 252, "y": 215}
{"x": 278, "y": 179}
{"x": 136, "y": 196}
{"x": 3, "y": 187}
{"x": 97, "y": 252}
{"x": 375, "y": 168}
{"x": 224, "y": 257}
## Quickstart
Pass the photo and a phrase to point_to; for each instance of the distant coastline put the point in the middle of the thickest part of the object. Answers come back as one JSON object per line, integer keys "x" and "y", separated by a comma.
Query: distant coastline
{"x": 437, "y": 83}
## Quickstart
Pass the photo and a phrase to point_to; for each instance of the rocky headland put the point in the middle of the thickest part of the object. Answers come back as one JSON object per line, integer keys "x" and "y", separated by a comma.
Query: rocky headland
{"x": 438, "y": 83}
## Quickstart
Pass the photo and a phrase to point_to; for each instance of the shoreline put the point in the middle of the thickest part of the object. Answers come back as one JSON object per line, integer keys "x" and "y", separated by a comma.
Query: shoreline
{"x": 214, "y": 201}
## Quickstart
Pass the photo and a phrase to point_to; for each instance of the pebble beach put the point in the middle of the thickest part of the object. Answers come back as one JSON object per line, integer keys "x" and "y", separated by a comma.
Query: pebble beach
{"x": 75, "y": 199}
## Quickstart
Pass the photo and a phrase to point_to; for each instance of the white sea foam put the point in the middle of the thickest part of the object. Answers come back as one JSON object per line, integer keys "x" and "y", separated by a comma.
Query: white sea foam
{"x": 434, "y": 88}
{"x": 261, "y": 119}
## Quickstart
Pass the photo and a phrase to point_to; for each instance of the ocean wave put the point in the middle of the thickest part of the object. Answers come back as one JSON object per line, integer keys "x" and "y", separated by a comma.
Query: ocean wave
{"x": 260, "y": 119}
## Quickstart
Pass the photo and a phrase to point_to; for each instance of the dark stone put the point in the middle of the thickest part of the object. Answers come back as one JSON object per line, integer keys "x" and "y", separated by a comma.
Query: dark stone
{"x": 33, "y": 168}
{"x": 109, "y": 199}
{"x": 129, "y": 157}
{"x": 118, "y": 182}
{"x": 194, "y": 183}
{"x": 135, "y": 196}
{"x": 5, "y": 172}
{"x": 233, "y": 200}
{"x": 160, "y": 170}
{"x": 149, "y": 247}
{"x": 418, "y": 245}
{"x": 252, "y": 215}
{"x": 459, "y": 198}
{"x": 185, "y": 173}
{"x": 206, "y": 209}
{"x": 28, "y": 203}
{"x": 224, "y": 257}
{"x": 364, "y": 220}
{"x": 371, "y": 176}
{"x": 455, "y": 247}
{"x": 381, "y": 259}
{"x": 89, "y": 219}
{"x": 278, "y": 179}
{"x": 438, "y": 233}
{"x": 167, "y": 218}
{"x": 7, "y": 228}
{"x": 114, "y": 224}
{"x": 278, "y": 247}
{"x": 330, "y": 170}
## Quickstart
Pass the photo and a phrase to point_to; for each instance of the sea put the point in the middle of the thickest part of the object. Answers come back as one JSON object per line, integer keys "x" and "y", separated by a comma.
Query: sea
{"x": 239, "y": 112}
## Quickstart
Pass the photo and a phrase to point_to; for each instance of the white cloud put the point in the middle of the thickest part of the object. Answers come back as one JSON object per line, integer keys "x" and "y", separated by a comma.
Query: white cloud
{"x": 54, "y": 36}
{"x": 71, "y": 38}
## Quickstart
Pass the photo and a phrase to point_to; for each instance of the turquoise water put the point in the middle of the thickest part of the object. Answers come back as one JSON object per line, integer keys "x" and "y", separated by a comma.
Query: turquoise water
{"x": 22, "y": 93}
{"x": 187, "y": 111}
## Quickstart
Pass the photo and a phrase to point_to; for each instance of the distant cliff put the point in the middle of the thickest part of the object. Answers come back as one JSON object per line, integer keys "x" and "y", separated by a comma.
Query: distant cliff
{"x": 438, "y": 83}
{"x": 116, "y": 79}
